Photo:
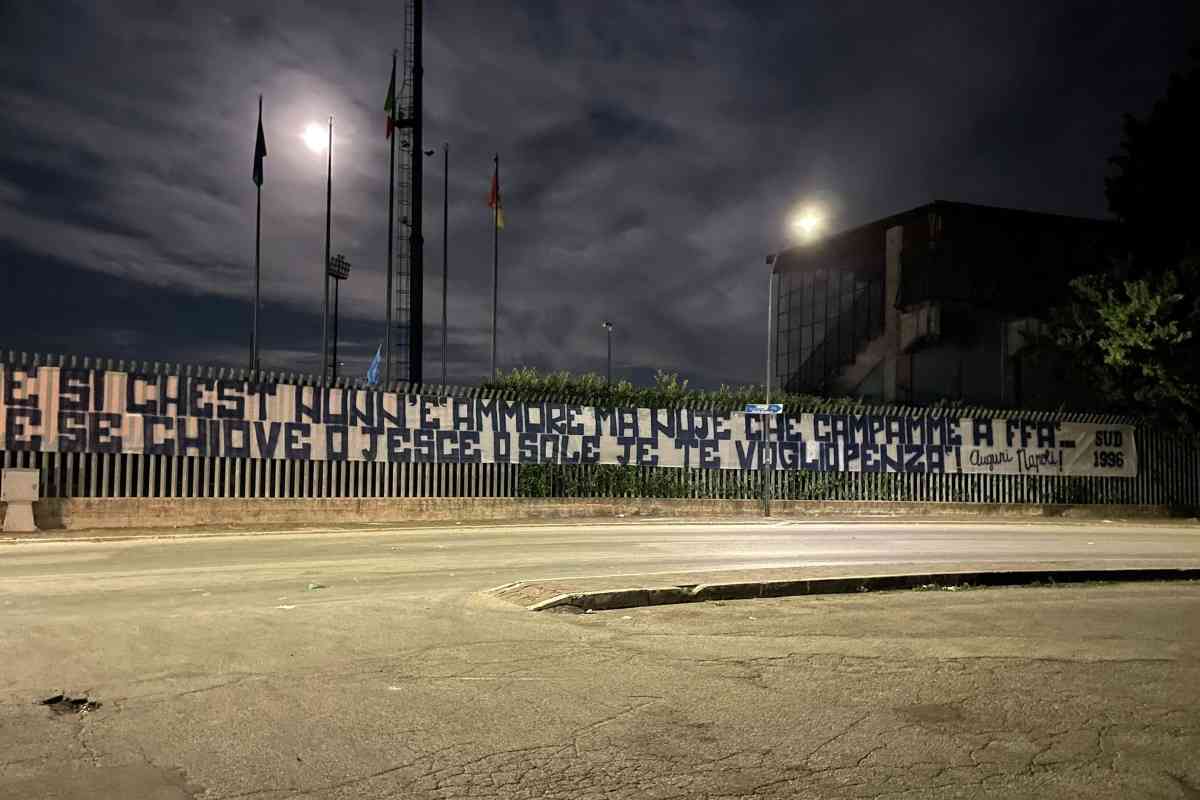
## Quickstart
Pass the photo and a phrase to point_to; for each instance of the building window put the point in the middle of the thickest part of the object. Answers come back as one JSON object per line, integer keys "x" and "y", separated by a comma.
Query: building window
{"x": 824, "y": 319}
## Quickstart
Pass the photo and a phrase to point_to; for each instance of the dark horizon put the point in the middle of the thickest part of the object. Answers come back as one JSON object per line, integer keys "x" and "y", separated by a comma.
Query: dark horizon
{"x": 651, "y": 162}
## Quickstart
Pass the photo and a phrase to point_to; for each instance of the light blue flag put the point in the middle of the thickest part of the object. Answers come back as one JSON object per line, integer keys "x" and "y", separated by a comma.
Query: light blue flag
{"x": 373, "y": 370}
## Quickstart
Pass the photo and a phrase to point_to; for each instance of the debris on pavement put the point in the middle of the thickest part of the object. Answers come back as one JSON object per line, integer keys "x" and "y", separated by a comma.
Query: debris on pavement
{"x": 567, "y": 608}
{"x": 312, "y": 587}
{"x": 62, "y": 704}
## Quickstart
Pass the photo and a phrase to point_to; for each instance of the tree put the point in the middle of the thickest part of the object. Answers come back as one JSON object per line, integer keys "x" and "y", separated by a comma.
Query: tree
{"x": 1153, "y": 187}
{"x": 1138, "y": 338}
{"x": 1136, "y": 327}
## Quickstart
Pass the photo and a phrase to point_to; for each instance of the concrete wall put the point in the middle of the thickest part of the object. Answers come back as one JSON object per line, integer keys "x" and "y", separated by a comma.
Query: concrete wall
{"x": 142, "y": 513}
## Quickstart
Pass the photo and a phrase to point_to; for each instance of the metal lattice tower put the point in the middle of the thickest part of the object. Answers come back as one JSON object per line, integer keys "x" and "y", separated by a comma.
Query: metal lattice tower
{"x": 405, "y": 355}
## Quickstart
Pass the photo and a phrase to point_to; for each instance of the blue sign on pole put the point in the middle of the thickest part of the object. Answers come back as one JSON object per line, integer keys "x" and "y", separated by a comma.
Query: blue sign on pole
{"x": 764, "y": 408}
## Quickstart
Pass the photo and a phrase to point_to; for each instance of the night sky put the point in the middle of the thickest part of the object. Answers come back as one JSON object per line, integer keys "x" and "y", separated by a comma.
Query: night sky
{"x": 651, "y": 153}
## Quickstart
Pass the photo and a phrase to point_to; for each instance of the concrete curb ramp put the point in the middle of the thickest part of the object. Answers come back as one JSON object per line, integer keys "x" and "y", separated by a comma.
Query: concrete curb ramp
{"x": 608, "y": 600}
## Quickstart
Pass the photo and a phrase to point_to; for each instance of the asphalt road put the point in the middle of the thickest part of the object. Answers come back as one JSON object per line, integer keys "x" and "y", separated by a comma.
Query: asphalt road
{"x": 221, "y": 674}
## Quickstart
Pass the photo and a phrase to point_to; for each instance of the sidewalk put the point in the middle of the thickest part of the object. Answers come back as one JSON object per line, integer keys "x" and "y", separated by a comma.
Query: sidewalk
{"x": 150, "y": 532}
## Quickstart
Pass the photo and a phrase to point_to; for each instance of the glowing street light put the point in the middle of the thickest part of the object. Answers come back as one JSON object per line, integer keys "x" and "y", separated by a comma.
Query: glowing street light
{"x": 314, "y": 137}
{"x": 808, "y": 223}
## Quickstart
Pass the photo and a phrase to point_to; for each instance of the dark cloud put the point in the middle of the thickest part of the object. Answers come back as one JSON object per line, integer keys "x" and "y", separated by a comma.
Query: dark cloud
{"x": 650, "y": 155}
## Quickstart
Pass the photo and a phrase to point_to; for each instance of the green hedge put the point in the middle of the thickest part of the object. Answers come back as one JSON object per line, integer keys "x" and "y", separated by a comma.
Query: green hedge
{"x": 668, "y": 391}
{"x": 612, "y": 480}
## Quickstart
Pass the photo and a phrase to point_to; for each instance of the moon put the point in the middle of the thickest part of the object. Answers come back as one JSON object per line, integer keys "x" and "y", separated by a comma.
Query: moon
{"x": 315, "y": 137}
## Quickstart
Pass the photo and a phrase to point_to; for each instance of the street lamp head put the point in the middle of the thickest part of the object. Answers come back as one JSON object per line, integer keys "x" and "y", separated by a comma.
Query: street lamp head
{"x": 608, "y": 326}
{"x": 315, "y": 137}
{"x": 339, "y": 268}
{"x": 807, "y": 223}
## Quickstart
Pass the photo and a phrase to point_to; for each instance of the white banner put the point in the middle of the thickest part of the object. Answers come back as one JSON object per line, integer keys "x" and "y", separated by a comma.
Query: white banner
{"x": 52, "y": 409}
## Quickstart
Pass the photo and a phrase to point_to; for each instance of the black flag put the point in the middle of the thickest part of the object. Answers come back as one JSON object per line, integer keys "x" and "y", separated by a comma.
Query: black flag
{"x": 260, "y": 148}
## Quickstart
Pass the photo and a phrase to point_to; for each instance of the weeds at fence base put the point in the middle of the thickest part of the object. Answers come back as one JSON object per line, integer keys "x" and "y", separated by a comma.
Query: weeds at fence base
{"x": 954, "y": 587}
{"x": 615, "y": 480}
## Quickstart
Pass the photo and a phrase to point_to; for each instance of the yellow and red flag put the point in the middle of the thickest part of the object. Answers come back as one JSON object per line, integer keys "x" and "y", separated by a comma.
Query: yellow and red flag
{"x": 494, "y": 202}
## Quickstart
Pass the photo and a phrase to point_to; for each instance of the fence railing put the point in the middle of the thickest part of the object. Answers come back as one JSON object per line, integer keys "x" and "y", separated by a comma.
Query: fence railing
{"x": 1168, "y": 467}
{"x": 66, "y": 475}
{"x": 135, "y": 475}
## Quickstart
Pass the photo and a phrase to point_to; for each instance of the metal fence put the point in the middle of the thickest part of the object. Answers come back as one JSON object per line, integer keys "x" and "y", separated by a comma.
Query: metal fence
{"x": 1169, "y": 474}
{"x": 1168, "y": 466}
{"x": 135, "y": 475}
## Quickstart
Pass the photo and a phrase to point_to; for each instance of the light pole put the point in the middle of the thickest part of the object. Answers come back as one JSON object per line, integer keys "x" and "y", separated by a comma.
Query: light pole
{"x": 608, "y": 326}
{"x": 316, "y": 142}
{"x": 767, "y": 418}
{"x": 328, "y": 215}
{"x": 447, "y": 167}
{"x": 339, "y": 270}
{"x": 445, "y": 245}
{"x": 770, "y": 319}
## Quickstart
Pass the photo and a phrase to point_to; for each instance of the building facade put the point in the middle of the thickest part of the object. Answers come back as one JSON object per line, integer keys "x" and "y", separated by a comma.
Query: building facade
{"x": 939, "y": 302}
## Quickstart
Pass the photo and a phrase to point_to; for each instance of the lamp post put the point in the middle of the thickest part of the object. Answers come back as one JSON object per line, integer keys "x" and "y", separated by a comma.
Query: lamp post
{"x": 445, "y": 244}
{"x": 338, "y": 270}
{"x": 766, "y": 418}
{"x": 328, "y": 215}
{"x": 608, "y": 326}
{"x": 770, "y": 319}
{"x": 316, "y": 141}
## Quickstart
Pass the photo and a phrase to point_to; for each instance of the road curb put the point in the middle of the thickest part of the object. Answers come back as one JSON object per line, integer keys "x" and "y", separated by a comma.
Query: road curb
{"x": 610, "y": 599}
{"x": 124, "y": 513}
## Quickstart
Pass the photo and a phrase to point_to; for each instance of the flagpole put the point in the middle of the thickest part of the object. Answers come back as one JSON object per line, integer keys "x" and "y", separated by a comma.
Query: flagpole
{"x": 495, "y": 264}
{"x": 387, "y": 334}
{"x": 325, "y": 266}
{"x": 257, "y": 260}
{"x": 445, "y": 244}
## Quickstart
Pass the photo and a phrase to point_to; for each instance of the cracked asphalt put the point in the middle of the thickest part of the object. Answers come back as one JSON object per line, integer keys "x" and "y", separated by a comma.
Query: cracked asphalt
{"x": 222, "y": 675}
